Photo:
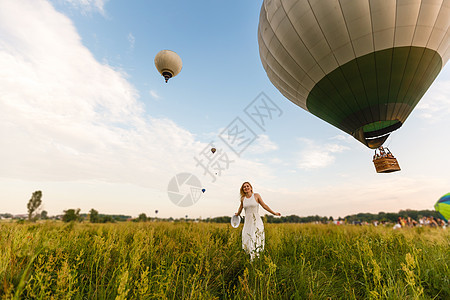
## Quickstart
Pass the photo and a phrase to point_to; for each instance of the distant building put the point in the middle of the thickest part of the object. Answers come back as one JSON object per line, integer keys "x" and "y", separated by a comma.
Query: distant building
{"x": 20, "y": 216}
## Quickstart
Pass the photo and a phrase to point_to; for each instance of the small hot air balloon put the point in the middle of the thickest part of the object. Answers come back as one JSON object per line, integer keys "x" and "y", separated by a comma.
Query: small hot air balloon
{"x": 168, "y": 64}
{"x": 361, "y": 66}
{"x": 213, "y": 150}
{"x": 443, "y": 206}
{"x": 156, "y": 211}
{"x": 203, "y": 190}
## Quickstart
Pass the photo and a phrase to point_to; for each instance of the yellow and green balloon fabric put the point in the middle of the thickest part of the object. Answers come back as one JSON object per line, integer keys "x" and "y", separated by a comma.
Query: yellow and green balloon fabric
{"x": 443, "y": 206}
{"x": 360, "y": 65}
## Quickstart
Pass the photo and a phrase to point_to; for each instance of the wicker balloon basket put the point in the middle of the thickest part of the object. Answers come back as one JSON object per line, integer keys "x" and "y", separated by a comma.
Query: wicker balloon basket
{"x": 384, "y": 161}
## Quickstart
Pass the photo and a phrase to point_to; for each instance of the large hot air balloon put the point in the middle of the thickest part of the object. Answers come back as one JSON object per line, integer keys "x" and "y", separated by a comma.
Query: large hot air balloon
{"x": 443, "y": 206}
{"x": 168, "y": 63}
{"x": 359, "y": 65}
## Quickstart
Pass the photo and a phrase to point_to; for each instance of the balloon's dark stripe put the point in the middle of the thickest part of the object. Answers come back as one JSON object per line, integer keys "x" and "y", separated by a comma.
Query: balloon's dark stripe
{"x": 387, "y": 86}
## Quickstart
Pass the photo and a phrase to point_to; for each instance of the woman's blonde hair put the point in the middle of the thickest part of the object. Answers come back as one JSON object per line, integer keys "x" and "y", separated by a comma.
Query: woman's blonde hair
{"x": 242, "y": 189}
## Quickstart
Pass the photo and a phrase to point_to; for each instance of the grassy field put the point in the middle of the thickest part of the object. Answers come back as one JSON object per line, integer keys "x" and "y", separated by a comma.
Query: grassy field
{"x": 159, "y": 260}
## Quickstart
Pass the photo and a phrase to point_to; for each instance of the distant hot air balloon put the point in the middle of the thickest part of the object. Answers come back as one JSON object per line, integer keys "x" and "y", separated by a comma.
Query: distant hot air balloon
{"x": 156, "y": 211}
{"x": 168, "y": 63}
{"x": 203, "y": 190}
{"x": 361, "y": 66}
{"x": 213, "y": 150}
{"x": 443, "y": 206}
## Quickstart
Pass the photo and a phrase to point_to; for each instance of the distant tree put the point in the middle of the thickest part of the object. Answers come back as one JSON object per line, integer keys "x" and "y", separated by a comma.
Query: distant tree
{"x": 34, "y": 204}
{"x": 224, "y": 219}
{"x": 93, "y": 216}
{"x": 107, "y": 219}
{"x": 120, "y": 218}
{"x": 7, "y": 215}
{"x": 142, "y": 217}
{"x": 71, "y": 215}
{"x": 391, "y": 217}
{"x": 44, "y": 215}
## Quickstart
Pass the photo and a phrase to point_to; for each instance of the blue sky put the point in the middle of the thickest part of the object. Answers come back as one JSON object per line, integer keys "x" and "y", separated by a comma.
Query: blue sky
{"x": 86, "y": 118}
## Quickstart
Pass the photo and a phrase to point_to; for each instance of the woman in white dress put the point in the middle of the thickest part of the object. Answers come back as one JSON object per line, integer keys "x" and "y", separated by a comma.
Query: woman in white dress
{"x": 253, "y": 231}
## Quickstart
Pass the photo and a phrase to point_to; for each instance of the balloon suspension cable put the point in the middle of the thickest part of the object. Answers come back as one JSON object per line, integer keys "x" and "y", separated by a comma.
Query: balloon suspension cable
{"x": 390, "y": 138}
{"x": 167, "y": 76}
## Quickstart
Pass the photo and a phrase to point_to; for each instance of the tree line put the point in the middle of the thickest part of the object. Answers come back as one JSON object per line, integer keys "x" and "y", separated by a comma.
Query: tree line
{"x": 71, "y": 215}
{"x": 360, "y": 217}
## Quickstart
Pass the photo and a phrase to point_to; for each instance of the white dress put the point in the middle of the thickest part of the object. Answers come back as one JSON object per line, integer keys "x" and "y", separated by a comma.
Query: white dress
{"x": 253, "y": 231}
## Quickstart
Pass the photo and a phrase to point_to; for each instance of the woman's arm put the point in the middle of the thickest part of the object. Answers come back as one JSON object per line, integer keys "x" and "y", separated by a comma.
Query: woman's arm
{"x": 265, "y": 206}
{"x": 240, "y": 209}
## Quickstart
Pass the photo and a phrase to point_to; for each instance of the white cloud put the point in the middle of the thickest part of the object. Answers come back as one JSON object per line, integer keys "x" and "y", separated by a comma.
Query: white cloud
{"x": 131, "y": 40}
{"x": 313, "y": 159}
{"x": 315, "y": 156}
{"x": 261, "y": 145}
{"x": 435, "y": 105}
{"x": 343, "y": 138}
{"x": 88, "y": 6}
{"x": 154, "y": 94}
{"x": 65, "y": 116}
{"x": 75, "y": 127}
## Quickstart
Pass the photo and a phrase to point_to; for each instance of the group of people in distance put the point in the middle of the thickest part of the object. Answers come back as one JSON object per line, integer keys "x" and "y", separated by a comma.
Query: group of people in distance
{"x": 424, "y": 221}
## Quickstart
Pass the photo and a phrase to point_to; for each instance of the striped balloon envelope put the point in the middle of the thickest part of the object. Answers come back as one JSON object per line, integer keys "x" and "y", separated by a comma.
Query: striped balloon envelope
{"x": 360, "y": 65}
{"x": 443, "y": 206}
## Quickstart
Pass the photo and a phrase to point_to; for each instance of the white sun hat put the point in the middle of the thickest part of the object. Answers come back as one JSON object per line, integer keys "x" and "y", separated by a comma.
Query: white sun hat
{"x": 235, "y": 220}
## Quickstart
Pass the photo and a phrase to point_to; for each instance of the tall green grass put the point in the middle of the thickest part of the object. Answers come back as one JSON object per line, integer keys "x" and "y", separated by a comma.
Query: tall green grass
{"x": 159, "y": 260}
